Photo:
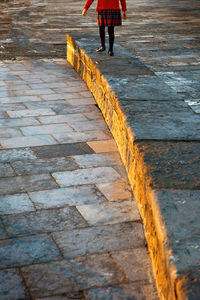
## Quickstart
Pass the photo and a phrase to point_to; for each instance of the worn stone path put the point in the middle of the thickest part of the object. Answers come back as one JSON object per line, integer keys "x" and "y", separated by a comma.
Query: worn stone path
{"x": 159, "y": 47}
{"x": 69, "y": 225}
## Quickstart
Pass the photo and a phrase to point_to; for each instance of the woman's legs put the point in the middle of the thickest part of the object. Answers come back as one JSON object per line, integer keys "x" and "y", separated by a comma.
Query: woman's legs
{"x": 111, "y": 39}
{"x": 102, "y": 38}
{"x": 111, "y": 34}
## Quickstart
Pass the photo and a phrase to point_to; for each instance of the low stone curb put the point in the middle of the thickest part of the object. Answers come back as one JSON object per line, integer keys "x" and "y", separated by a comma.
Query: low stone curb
{"x": 158, "y": 138}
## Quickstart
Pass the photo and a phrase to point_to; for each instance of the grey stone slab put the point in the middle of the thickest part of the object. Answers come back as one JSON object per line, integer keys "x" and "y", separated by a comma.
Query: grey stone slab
{"x": 110, "y": 213}
{"x": 71, "y": 196}
{"x": 48, "y": 85}
{"x": 21, "y": 99}
{"x": 88, "y": 125}
{"x": 19, "y": 184}
{"x": 183, "y": 231}
{"x": 116, "y": 191}
{"x": 31, "y": 92}
{"x": 30, "y": 113}
{"x": 6, "y": 170}
{"x": 46, "y": 129}
{"x": 43, "y": 222}
{"x": 28, "y": 141}
{"x": 15, "y": 204}
{"x": 59, "y": 106}
{"x": 62, "y": 150}
{"x": 123, "y": 66}
{"x": 16, "y": 154}
{"x": 62, "y": 118}
{"x": 81, "y": 101}
{"x": 78, "y": 109}
{"x": 64, "y": 107}
{"x": 27, "y": 251}
{"x": 11, "y": 107}
{"x": 161, "y": 120}
{"x": 15, "y": 88}
{"x": 9, "y": 132}
{"x": 76, "y": 137}
{"x": 180, "y": 167}
{"x": 96, "y": 160}
{"x": 40, "y": 166}
{"x": 100, "y": 239}
{"x": 132, "y": 263}
{"x": 59, "y": 96}
{"x": 12, "y": 285}
{"x": 139, "y": 291}
{"x": 86, "y": 176}
{"x": 141, "y": 88}
{"x": 66, "y": 277}
{"x": 18, "y": 122}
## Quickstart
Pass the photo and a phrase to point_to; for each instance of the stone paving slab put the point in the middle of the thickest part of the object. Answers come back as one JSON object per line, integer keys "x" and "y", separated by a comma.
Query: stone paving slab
{"x": 171, "y": 122}
{"x": 27, "y": 141}
{"x": 100, "y": 239}
{"x": 99, "y": 159}
{"x": 115, "y": 191}
{"x": 12, "y": 279}
{"x": 43, "y": 166}
{"x": 26, "y": 251}
{"x": 73, "y": 275}
{"x": 16, "y": 155}
{"x": 51, "y": 246}
{"x": 86, "y": 176}
{"x": 43, "y": 222}
{"x": 84, "y": 136}
{"x": 22, "y": 184}
{"x": 6, "y": 170}
{"x": 71, "y": 196}
{"x": 62, "y": 150}
{"x": 15, "y": 204}
{"x": 18, "y": 122}
{"x": 109, "y": 213}
{"x": 180, "y": 169}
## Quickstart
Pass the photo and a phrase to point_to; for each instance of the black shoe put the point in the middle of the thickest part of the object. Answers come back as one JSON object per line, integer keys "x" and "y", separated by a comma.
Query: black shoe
{"x": 110, "y": 53}
{"x": 101, "y": 49}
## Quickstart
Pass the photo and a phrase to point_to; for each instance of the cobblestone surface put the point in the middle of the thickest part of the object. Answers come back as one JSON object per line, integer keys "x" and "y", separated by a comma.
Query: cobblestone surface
{"x": 69, "y": 224}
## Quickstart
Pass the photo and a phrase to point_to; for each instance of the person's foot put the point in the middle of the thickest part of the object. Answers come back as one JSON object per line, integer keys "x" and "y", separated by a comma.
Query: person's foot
{"x": 110, "y": 53}
{"x": 101, "y": 49}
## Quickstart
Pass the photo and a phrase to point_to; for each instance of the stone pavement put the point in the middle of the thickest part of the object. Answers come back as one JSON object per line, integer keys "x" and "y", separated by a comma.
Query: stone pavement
{"x": 159, "y": 46}
{"x": 69, "y": 225}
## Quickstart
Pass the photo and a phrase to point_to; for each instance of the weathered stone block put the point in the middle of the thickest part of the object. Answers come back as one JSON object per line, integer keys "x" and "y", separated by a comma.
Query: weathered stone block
{"x": 27, "y": 251}
{"x": 72, "y": 196}
{"x": 100, "y": 239}
{"x": 86, "y": 176}
{"x": 12, "y": 285}
{"x": 69, "y": 276}
{"x": 43, "y": 222}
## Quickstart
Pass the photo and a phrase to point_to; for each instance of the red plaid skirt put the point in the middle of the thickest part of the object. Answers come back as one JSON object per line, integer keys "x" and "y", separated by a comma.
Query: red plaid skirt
{"x": 109, "y": 17}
